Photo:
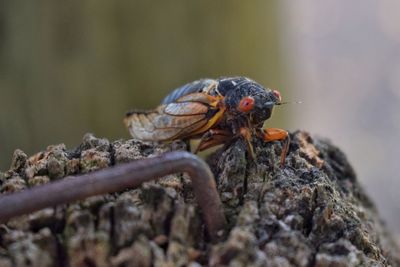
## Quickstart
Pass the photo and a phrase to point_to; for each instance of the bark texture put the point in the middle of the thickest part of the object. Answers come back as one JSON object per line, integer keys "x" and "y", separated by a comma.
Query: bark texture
{"x": 312, "y": 212}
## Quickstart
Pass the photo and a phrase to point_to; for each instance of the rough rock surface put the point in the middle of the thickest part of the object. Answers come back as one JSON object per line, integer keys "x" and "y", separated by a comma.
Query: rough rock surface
{"x": 312, "y": 212}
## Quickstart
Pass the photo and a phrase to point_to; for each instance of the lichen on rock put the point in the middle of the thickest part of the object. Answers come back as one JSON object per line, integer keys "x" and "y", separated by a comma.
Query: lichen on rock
{"x": 312, "y": 212}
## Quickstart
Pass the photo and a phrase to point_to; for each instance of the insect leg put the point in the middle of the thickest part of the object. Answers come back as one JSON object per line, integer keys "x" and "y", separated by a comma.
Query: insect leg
{"x": 246, "y": 133}
{"x": 213, "y": 137}
{"x": 275, "y": 134}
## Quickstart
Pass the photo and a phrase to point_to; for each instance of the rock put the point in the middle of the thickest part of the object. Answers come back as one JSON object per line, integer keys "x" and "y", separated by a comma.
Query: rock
{"x": 312, "y": 212}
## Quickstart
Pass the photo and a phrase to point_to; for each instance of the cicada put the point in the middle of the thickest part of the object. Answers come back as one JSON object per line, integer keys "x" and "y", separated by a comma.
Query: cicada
{"x": 215, "y": 110}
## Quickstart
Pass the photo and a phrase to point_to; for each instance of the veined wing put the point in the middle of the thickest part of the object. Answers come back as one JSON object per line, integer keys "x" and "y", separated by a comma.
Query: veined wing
{"x": 189, "y": 115}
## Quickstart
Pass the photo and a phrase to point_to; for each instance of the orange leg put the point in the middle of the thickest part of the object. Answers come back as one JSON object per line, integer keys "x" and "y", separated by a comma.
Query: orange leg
{"x": 212, "y": 138}
{"x": 275, "y": 134}
{"x": 246, "y": 133}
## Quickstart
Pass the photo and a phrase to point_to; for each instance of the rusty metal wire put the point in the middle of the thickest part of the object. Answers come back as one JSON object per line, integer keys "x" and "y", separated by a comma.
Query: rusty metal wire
{"x": 120, "y": 177}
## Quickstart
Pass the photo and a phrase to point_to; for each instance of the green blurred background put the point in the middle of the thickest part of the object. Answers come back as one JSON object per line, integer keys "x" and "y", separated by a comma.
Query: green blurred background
{"x": 71, "y": 67}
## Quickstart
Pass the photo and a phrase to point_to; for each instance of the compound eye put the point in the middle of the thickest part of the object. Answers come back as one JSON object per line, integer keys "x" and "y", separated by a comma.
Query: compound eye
{"x": 246, "y": 104}
{"x": 277, "y": 95}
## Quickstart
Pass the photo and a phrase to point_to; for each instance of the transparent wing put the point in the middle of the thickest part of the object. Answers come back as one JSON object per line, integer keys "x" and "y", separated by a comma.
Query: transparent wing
{"x": 175, "y": 120}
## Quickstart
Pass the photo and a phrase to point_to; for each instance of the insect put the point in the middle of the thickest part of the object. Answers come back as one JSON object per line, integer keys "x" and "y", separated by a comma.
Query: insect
{"x": 215, "y": 110}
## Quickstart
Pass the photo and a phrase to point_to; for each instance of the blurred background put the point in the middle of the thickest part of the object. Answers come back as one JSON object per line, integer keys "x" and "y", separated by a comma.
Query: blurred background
{"x": 72, "y": 67}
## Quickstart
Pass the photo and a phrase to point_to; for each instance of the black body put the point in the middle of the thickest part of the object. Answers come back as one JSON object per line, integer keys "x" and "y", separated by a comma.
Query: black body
{"x": 233, "y": 89}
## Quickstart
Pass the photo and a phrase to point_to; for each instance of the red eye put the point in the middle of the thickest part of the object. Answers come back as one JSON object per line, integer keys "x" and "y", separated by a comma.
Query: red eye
{"x": 277, "y": 95}
{"x": 246, "y": 104}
